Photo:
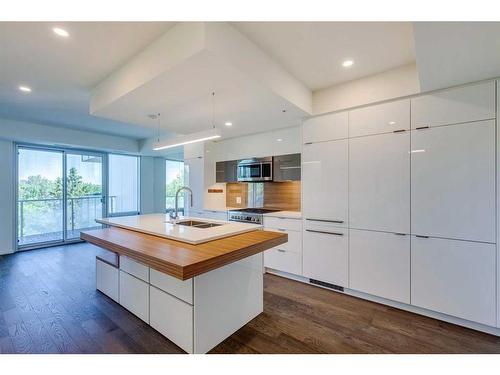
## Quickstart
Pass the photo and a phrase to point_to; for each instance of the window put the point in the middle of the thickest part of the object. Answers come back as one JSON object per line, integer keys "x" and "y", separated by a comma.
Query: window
{"x": 174, "y": 179}
{"x": 123, "y": 175}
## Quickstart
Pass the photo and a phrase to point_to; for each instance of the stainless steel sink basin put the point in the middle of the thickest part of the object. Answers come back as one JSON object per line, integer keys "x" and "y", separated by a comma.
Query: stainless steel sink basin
{"x": 198, "y": 224}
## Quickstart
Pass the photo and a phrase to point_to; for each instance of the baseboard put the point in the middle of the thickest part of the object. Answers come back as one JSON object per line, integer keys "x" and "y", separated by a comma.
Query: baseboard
{"x": 398, "y": 305}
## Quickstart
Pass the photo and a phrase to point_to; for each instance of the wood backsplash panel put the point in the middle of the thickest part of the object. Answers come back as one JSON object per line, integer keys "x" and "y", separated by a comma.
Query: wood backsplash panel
{"x": 234, "y": 190}
{"x": 282, "y": 195}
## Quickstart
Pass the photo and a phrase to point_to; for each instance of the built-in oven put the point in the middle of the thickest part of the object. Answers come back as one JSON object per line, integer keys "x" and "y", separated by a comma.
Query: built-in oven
{"x": 255, "y": 170}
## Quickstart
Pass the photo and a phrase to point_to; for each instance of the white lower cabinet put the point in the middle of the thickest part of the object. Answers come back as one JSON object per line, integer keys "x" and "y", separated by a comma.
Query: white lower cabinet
{"x": 379, "y": 264}
{"x": 172, "y": 317}
{"x": 107, "y": 279}
{"x": 286, "y": 257}
{"x": 455, "y": 278}
{"x": 134, "y": 295}
{"x": 325, "y": 253}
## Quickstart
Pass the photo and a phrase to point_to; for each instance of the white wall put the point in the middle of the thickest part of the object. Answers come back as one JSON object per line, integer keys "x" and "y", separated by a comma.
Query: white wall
{"x": 7, "y": 197}
{"x": 392, "y": 84}
{"x": 153, "y": 184}
{"x": 28, "y": 132}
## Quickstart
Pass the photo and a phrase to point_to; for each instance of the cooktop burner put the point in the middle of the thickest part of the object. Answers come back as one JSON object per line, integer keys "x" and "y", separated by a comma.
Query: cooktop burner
{"x": 255, "y": 210}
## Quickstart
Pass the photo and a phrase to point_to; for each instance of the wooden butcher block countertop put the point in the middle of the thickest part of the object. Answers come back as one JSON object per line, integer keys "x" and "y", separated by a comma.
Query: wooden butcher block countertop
{"x": 179, "y": 259}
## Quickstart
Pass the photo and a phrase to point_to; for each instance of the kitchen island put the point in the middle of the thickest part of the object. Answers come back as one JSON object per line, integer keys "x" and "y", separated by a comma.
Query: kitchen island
{"x": 196, "y": 294}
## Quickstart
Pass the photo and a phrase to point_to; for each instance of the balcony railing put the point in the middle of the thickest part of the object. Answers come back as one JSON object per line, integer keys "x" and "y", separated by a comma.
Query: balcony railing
{"x": 41, "y": 220}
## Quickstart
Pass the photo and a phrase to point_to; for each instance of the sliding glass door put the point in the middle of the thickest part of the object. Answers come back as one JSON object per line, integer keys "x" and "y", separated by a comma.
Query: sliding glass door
{"x": 60, "y": 193}
{"x": 123, "y": 172}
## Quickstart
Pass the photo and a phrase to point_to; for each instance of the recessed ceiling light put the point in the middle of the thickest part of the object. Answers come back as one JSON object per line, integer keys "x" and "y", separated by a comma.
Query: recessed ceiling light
{"x": 279, "y": 140}
{"x": 25, "y": 88}
{"x": 392, "y": 122}
{"x": 347, "y": 63}
{"x": 60, "y": 32}
{"x": 228, "y": 123}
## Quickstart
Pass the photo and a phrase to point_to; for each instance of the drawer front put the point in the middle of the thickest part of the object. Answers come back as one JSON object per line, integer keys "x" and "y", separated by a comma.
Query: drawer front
{"x": 134, "y": 268}
{"x": 107, "y": 279}
{"x": 294, "y": 243}
{"x": 283, "y": 223}
{"x": 178, "y": 288}
{"x": 454, "y": 277}
{"x": 134, "y": 296}
{"x": 173, "y": 318}
{"x": 283, "y": 260}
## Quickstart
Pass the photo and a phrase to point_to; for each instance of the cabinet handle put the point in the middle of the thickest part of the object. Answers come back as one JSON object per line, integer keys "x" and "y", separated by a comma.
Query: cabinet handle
{"x": 324, "y": 232}
{"x": 327, "y": 221}
{"x": 422, "y": 127}
{"x": 399, "y": 131}
{"x": 281, "y": 251}
{"x": 400, "y": 234}
{"x": 308, "y": 143}
{"x": 419, "y": 236}
{"x": 282, "y": 230}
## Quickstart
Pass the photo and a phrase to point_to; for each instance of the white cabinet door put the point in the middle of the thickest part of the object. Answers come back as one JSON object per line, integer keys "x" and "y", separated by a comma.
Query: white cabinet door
{"x": 379, "y": 264}
{"x": 173, "y": 318}
{"x": 381, "y": 118}
{"x": 325, "y": 255}
{"x": 324, "y": 181}
{"x": 283, "y": 260}
{"x": 454, "y": 277}
{"x": 453, "y": 181}
{"x": 325, "y": 128}
{"x": 194, "y": 169}
{"x": 379, "y": 182}
{"x": 457, "y": 105}
{"x": 134, "y": 295}
{"x": 107, "y": 279}
{"x": 287, "y": 141}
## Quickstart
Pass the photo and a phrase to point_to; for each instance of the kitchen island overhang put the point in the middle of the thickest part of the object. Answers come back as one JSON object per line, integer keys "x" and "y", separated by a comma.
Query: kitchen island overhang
{"x": 195, "y": 295}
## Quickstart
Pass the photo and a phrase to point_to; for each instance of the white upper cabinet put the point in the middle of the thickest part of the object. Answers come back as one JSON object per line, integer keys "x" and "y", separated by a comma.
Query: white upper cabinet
{"x": 379, "y": 182}
{"x": 453, "y": 181}
{"x": 326, "y": 253}
{"x": 326, "y": 128}
{"x": 457, "y": 105}
{"x": 286, "y": 141}
{"x": 454, "y": 277}
{"x": 379, "y": 264}
{"x": 381, "y": 118}
{"x": 325, "y": 181}
{"x": 194, "y": 170}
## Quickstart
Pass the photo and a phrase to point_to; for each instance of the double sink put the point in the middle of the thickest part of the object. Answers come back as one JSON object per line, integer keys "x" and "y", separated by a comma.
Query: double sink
{"x": 198, "y": 224}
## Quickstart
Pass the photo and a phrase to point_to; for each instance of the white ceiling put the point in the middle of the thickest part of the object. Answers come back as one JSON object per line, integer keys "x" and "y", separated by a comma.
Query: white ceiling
{"x": 183, "y": 97}
{"x": 314, "y": 51}
{"x": 62, "y": 71}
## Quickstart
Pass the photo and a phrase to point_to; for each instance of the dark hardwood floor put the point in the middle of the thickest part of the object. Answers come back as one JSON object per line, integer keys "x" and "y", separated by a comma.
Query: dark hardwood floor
{"x": 48, "y": 304}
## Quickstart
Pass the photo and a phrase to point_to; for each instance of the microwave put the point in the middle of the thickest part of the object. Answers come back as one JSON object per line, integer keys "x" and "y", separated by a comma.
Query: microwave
{"x": 255, "y": 170}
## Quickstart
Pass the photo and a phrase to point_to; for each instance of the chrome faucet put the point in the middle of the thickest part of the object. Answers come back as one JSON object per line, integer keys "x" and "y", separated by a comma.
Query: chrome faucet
{"x": 175, "y": 214}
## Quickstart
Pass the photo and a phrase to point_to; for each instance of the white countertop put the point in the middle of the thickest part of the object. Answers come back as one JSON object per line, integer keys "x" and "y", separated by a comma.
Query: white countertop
{"x": 285, "y": 214}
{"x": 160, "y": 225}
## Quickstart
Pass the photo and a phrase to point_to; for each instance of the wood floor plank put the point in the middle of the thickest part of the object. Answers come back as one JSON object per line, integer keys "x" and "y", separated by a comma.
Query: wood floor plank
{"x": 45, "y": 309}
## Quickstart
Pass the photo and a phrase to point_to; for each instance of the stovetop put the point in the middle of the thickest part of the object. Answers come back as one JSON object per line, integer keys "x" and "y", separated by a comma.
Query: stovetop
{"x": 259, "y": 211}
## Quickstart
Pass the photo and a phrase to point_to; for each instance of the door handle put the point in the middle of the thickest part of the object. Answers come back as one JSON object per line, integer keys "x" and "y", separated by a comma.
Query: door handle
{"x": 325, "y": 232}
{"x": 422, "y": 127}
{"x": 419, "y": 236}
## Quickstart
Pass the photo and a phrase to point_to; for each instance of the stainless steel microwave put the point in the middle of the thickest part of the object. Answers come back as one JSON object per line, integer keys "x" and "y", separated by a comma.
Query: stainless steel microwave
{"x": 255, "y": 170}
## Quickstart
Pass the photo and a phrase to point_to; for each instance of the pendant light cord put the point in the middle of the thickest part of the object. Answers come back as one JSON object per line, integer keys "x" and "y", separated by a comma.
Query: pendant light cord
{"x": 213, "y": 109}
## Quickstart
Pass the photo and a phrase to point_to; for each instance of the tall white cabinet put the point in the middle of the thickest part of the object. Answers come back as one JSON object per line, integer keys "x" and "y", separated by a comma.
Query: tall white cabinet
{"x": 410, "y": 196}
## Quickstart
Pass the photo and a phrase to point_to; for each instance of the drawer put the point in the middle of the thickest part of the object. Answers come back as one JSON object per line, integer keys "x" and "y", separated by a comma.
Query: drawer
{"x": 134, "y": 268}
{"x": 134, "y": 295}
{"x": 294, "y": 243}
{"x": 178, "y": 288}
{"x": 283, "y": 223}
{"x": 173, "y": 318}
{"x": 283, "y": 260}
{"x": 107, "y": 279}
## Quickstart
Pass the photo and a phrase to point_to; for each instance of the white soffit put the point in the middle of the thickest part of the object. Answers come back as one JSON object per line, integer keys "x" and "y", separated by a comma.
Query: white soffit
{"x": 176, "y": 74}
{"x": 453, "y": 53}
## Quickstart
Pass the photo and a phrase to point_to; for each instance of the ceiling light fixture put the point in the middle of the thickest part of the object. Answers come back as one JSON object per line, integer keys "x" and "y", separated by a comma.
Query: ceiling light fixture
{"x": 279, "y": 140}
{"x": 181, "y": 140}
{"x": 392, "y": 122}
{"x": 347, "y": 63}
{"x": 60, "y": 32}
{"x": 228, "y": 123}
{"x": 24, "y": 88}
